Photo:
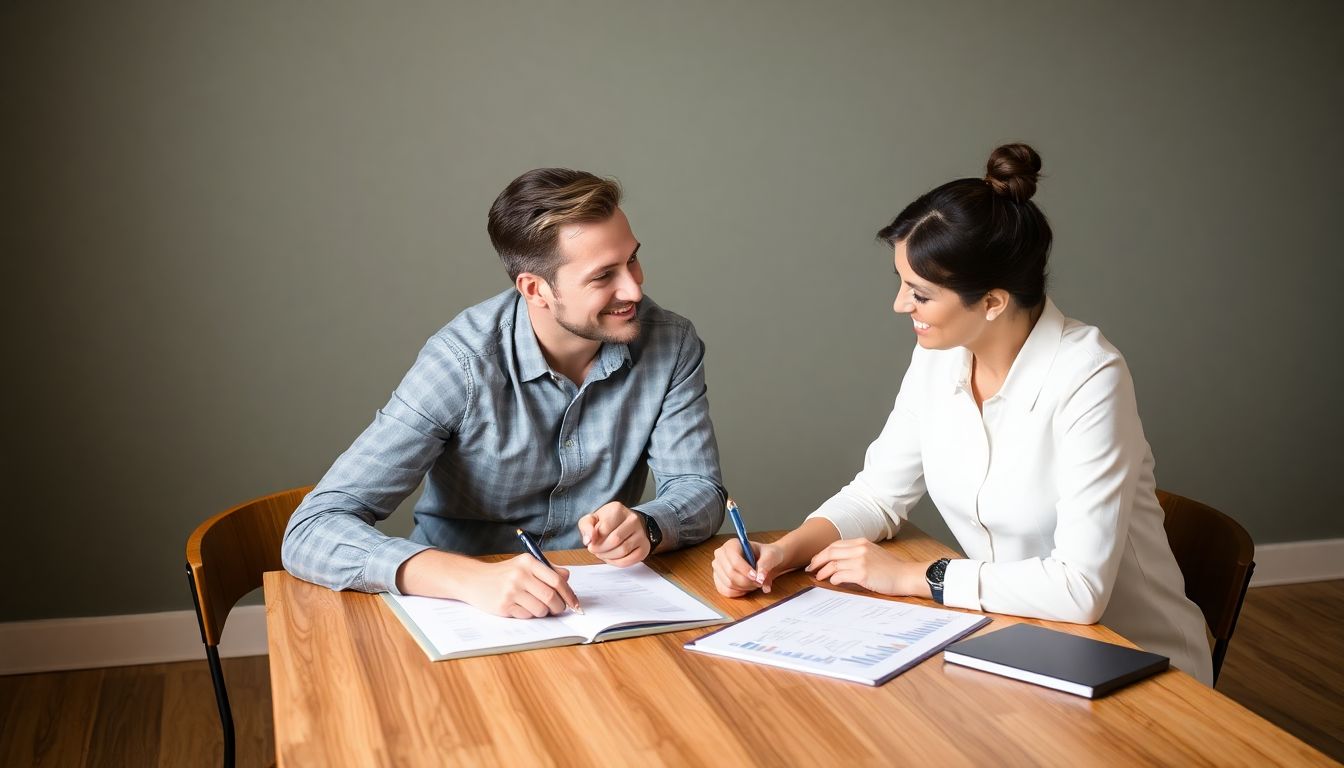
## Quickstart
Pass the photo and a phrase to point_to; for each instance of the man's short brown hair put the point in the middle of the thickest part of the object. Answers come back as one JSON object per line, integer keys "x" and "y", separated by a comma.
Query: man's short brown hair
{"x": 526, "y": 217}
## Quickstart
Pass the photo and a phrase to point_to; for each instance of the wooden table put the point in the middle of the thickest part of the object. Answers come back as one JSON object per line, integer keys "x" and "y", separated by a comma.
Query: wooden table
{"x": 350, "y": 687}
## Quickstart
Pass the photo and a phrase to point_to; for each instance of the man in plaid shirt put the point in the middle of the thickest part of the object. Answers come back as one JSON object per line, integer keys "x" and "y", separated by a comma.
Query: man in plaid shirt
{"x": 542, "y": 408}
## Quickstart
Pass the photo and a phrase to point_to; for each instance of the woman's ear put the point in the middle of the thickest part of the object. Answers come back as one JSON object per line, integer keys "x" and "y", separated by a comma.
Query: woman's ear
{"x": 996, "y": 303}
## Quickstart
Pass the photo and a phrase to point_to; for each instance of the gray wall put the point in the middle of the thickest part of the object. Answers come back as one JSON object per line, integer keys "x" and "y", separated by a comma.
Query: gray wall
{"x": 228, "y": 227}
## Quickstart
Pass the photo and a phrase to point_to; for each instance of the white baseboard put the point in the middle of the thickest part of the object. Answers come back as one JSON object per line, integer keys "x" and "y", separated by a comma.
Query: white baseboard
{"x": 151, "y": 638}
{"x": 1297, "y": 562}
{"x": 115, "y": 641}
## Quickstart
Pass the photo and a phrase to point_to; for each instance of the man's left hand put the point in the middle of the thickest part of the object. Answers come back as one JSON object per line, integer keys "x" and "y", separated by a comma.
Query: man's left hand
{"x": 615, "y": 533}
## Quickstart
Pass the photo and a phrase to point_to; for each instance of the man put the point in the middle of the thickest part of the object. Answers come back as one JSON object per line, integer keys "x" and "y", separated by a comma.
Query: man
{"x": 542, "y": 408}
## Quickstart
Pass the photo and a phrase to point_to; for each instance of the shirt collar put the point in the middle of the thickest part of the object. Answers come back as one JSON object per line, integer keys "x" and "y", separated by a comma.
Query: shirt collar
{"x": 962, "y": 380}
{"x": 613, "y": 356}
{"x": 1027, "y": 375}
{"x": 532, "y": 363}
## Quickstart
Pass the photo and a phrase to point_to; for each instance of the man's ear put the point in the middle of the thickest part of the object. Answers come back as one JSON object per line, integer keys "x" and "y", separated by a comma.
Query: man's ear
{"x": 996, "y": 303}
{"x": 535, "y": 290}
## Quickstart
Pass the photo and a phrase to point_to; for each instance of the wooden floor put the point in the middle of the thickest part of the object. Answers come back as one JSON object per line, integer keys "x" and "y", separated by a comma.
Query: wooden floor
{"x": 1285, "y": 663}
{"x": 158, "y": 714}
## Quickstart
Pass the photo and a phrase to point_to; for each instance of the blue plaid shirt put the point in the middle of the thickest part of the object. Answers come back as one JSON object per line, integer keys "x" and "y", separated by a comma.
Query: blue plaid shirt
{"x": 503, "y": 442}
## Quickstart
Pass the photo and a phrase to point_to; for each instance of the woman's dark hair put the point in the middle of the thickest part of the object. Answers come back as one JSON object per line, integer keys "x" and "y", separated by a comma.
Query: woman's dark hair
{"x": 974, "y": 235}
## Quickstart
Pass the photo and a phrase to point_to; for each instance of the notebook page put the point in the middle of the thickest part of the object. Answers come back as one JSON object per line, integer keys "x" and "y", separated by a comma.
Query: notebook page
{"x": 613, "y": 596}
{"x": 453, "y": 627}
{"x": 610, "y": 597}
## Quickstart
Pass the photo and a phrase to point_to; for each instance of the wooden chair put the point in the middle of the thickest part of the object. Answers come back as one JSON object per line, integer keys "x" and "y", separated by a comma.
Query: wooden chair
{"x": 226, "y": 556}
{"x": 1217, "y": 557}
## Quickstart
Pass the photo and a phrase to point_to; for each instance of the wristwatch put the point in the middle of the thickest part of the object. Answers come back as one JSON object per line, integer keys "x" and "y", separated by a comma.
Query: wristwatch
{"x": 934, "y": 575}
{"x": 654, "y": 532}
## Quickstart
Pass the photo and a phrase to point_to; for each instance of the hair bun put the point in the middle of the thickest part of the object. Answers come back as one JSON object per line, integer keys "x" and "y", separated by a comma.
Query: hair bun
{"x": 1012, "y": 171}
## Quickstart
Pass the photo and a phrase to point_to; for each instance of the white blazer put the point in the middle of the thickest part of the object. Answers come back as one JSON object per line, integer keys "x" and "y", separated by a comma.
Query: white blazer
{"x": 1049, "y": 491}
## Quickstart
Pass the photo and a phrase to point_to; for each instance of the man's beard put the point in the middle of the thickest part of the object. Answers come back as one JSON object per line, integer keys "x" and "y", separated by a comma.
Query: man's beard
{"x": 595, "y": 332}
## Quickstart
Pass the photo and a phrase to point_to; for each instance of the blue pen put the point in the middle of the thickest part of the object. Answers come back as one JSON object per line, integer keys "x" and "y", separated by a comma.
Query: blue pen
{"x": 535, "y": 551}
{"x": 741, "y": 533}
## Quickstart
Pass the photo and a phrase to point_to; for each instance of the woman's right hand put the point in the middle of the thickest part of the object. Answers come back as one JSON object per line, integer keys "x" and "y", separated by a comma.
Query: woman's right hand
{"x": 734, "y": 576}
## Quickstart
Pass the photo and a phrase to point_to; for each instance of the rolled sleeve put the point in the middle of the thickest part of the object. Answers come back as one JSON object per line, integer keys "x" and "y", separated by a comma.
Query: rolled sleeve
{"x": 382, "y": 564}
{"x": 854, "y": 518}
{"x": 330, "y": 539}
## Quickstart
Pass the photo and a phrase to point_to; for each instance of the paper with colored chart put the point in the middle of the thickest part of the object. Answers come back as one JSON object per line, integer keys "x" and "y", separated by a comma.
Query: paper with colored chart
{"x": 852, "y": 637}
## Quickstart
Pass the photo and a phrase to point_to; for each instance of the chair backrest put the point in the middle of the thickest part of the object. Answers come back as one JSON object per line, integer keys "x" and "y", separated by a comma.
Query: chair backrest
{"x": 228, "y": 553}
{"x": 1216, "y": 557}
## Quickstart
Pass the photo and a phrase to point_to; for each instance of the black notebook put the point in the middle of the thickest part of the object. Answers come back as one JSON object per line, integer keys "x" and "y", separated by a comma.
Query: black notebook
{"x": 1057, "y": 660}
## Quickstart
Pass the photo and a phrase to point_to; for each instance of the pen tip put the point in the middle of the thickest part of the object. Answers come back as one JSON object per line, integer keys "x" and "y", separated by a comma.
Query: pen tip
{"x": 518, "y": 532}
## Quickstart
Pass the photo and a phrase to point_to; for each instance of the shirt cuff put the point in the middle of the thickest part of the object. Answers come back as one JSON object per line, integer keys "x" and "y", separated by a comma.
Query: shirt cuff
{"x": 380, "y": 570}
{"x": 666, "y": 517}
{"x": 849, "y": 525}
{"x": 961, "y": 584}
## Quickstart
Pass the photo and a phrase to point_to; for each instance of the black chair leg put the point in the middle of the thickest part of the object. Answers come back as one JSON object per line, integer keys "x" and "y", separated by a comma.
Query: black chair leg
{"x": 216, "y": 676}
{"x": 222, "y": 698}
{"x": 1219, "y": 651}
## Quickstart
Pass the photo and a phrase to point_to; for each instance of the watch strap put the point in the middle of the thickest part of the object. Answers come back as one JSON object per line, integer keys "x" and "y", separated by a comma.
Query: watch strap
{"x": 652, "y": 530}
{"x": 935, "y": 575}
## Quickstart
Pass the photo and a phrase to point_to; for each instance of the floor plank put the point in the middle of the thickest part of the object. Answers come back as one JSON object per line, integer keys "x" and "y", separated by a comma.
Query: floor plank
{"x": 1284, "y": 661}
{"x": 47, "y": 720}
{"x": 128, "y": 720}
{"x": 190, "y": 721}
{"x": 249, "y": 686}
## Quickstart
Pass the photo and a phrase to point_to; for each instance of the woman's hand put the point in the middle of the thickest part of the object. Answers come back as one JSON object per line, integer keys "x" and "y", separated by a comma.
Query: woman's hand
{"x": 865, "y": 564}
{"x": 734, "y": 576}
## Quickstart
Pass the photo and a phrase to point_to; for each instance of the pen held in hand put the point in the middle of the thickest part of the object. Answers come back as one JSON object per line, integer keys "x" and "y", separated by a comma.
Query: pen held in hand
{"x": 741, "y": 529}
{"x": 532, "y": 549}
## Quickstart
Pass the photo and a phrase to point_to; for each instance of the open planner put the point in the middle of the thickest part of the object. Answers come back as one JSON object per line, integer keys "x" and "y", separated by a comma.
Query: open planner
{"x": 617, "y": 603}
{"x": 858, "y": 638}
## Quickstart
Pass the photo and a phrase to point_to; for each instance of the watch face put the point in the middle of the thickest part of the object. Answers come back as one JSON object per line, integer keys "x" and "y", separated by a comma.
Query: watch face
{"x": 937, "y": 571}
{"x": 652, "y": 530}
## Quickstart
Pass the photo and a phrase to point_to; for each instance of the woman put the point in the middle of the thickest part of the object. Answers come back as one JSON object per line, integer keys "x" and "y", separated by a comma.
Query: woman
{"x": 1022, "y": 426}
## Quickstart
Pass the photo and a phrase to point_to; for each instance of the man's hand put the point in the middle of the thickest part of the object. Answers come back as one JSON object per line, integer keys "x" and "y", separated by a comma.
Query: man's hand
{"x": 616, "y": 534}
{"x": 521, "y": 587}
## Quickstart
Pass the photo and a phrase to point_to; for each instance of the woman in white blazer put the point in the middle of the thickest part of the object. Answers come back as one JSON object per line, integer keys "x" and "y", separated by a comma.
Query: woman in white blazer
{"x": 1020, "y": 423}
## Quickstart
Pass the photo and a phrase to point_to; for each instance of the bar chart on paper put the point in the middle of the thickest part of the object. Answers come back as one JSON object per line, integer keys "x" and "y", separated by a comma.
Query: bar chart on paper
{"x": 802, "y": 638}
{"x": 852, "y": 637}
